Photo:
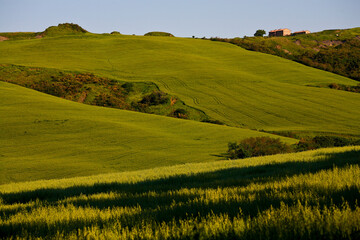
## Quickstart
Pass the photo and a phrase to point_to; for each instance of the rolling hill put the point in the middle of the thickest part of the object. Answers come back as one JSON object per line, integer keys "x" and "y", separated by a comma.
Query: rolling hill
{"x": 239, "y": 87}
{"x": 69, "y": 170}
{"x": 336, "y": 51}
{"x": 45, "y": 137}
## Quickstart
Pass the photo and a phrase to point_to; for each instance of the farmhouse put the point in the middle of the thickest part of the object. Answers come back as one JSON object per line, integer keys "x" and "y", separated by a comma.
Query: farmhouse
{"x": 301, "y": 32}
{"x": 280, "y": 32}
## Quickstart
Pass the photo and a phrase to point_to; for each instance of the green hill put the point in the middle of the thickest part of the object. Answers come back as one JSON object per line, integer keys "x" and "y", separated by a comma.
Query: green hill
{"x": 292, "y": 196}
{"x": 159, "y": 34}
{"x": 336, "y": 51}
{"x": 61, "y": 29}
{"x": 238, "y": 87}
{"x": 64, "y": 29}
{"x": 45, "y": 137}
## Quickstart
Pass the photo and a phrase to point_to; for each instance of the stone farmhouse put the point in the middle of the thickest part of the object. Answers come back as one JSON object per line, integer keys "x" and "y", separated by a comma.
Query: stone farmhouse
{"x": 301, "y": 32}
{"x": 280, "y": 32}
{"x": 285, "y": 32}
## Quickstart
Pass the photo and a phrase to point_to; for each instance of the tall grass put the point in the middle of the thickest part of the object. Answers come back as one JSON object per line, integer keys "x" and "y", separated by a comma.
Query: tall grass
{"x": 309, "y": 195}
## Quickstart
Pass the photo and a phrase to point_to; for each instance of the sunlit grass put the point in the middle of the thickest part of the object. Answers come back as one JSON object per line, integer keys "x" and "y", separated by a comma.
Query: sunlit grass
{"x": 304, "y": 195}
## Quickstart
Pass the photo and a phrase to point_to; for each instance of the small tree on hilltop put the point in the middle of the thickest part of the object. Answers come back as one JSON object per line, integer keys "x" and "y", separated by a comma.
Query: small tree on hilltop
{"x": 259, "y": 33}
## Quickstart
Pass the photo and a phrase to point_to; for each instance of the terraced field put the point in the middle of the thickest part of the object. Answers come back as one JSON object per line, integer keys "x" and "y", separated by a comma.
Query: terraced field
{"x": 239, "y": 87}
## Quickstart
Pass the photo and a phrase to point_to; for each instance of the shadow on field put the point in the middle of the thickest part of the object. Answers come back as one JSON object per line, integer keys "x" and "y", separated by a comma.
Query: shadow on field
{"x": 156, "y": 198}
{"x": 238, "y": 177}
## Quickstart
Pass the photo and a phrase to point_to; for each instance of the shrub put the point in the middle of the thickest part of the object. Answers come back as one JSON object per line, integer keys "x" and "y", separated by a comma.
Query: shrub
{"x": 304, "y": 145}
{"x": 180, "y": 113}
{"x": 259, "y": 146}
{"x": 155, "y": 98}
{"x": 115, "y": 33}
{"x": 212, "y": 121}
{"x": 324, "y": 142}
{"x": 159, "y": 34}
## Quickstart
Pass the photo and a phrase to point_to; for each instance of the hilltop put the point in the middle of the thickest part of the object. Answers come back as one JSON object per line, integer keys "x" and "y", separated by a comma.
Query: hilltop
{"x": 64, "y": 29}
{"x": 61, "y": 29}
{"x": 336, "y": 51}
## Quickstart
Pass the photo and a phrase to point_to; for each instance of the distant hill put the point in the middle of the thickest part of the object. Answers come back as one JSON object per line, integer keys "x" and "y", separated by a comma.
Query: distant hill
{"x": 59, "y": 30}
{"x": 336, "y": 51}
{"x": 64, "y": 29}
{"x": 159, "y": 34}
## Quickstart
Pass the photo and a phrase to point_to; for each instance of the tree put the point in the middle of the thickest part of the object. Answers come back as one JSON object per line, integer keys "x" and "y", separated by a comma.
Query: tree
{"x": 260, "y": 33}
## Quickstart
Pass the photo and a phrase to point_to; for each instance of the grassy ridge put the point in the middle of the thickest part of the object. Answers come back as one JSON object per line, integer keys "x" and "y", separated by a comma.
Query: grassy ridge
{"x": 44, "y": 137}
{"x": 235, "y": 86}
{"x": 292, "y": 196}
{"x": 336, "y": 51}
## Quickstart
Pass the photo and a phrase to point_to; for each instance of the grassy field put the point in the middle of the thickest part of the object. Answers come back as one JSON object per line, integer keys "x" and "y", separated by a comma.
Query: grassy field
{"x": 163, "y": 177}
{"x": 238, "y": 87}
{"x": 45, "y": 137}
{"x": 308, "y": 195}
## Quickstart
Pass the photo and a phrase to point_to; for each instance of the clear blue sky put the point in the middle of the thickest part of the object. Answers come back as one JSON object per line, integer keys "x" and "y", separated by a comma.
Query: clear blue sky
{"x": 183, "y": 18}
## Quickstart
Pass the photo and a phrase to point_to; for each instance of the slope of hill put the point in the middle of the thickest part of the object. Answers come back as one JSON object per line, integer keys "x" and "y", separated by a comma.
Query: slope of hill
{"x": 230, "y": 84}
{"x": 307, "y": 195}
{"x": 336, "y": 51}
{"x": 45, "y": 137}
{"x": 93, "y": 90}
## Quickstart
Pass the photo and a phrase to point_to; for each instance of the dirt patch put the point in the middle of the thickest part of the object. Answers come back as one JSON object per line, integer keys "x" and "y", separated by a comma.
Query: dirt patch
{"x": 298, "y": 42}
{"x": 39, "y": 36}
{"x": 287, "y": 52}
{"x": 3, "y": 38}
{"x": 82, "y": 97}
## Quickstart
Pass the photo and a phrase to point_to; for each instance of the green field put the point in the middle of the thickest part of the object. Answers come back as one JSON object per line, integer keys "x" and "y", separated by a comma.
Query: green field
{"x": 71, "y": 170}
{"x": 309, "y": 195}
{"x": 45, "y": 137}
{"x": 238, "y": 87}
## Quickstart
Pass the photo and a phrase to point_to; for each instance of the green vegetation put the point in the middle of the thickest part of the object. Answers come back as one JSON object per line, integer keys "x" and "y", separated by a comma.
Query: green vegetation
{"x": 64, "y": 29}
{"x": 90, "y": 89}
{"x": 259, "y": 146}
{"x": 159, "y": 34}
{"x": 20, "y": 35}
{"x": 345, "y": 88}
{"x": 262, "y": 146}
{"x": 53, "y": 31}
{"x": 53, "y": 149}
{"x": 308, "y": 195}
{"x": 115, "y": 33}
{"x": 46, "y": 137}
{"x": 237, "y": 87}
{"x": 259, "y": 33}
{"x": 336, "y": 51}
{"x": 324, "y": 142}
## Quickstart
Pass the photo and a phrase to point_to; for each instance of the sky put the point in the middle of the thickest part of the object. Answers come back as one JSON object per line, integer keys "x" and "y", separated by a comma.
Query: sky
{"x": 183, "y": 18}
